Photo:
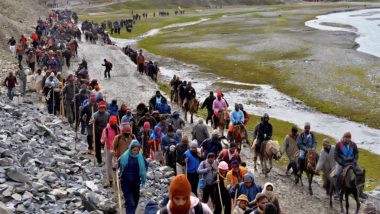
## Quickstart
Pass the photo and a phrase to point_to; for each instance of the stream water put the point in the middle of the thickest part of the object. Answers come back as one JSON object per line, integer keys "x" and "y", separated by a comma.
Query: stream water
{"x": 266, "y": 99}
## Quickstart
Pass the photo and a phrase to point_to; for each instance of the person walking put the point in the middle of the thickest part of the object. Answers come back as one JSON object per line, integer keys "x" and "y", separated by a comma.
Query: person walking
{"x": 108, "y": 66}
{"x": 291, "y": 149}
{"x": 68, "y": 93}
{"x": 181, "y": 148}
{"x": 221, "y": 197}
{"x": 144, "y": 138}
{"x": 87, "y": 112}
{"x": 22, "y": 77}
{"x": 208, "y": 104}
{"x": 192, "y": 161}
{"x": 133, "y": 168}
{"x": 12, "y": 45}
{"x": 108, "y": 135}
{"x": 11, "y": 82}
{"x": 181, "y": 201}
{"x": 208, "y": 169}
{"x": 100, "y": 120}
{"x": 200, "y": 132}
{"x": 140, "y": 62}
{"x": 122, "y": 141}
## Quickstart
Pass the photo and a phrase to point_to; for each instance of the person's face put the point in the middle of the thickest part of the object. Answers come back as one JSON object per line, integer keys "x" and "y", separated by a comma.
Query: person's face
{"x": 307, "y": 129}
{"x": 193, "y": 149}
{"x": 158, "y": 131}
{"x": 346, "y": 140}
{"x": 135, "y": 150}
{"x": 236, "y": 107}
{"x": 235, "y": 168}
{"x": 294, "y": 132}
{"x": 219, "y": 98}
{"x": 248, "y": 184}
{"x": 223, "y": 172}
{"x": 102, "y": 109}
{"x": 158, "y": 94}
{"x": 269, "y": 188}
{"x": 326, "y": 146}
{"x": 266, "y": 119}
{"x": 211, "y": 94}
{"x": 211, "y": 159}
{"x": 232, "y": 149}
{"x": 262, "y": 203}
{"x": 129, "y": 113}
{"x": 179, "y": 201}
{"x": 243, "y": 204}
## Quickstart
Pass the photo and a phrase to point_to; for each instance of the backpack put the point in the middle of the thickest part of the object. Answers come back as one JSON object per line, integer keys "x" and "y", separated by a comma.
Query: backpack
{"x": 198, "y": 209}
{"x": 110, "y": 65}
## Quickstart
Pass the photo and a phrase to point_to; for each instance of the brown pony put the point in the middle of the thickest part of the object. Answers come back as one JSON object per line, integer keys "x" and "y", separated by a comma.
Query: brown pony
{"x": 309, "y": 167}
{"x": 239, "y": 135}
{"x": 221, "y": 122}
{"x": 269, "y": 150}
{"x": 192, "y": 107}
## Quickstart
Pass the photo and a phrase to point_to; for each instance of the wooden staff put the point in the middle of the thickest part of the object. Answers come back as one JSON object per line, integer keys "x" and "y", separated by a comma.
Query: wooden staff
{"x": 93, "y": 134}
{"x": 52, "y": 89}
{"x": 118, "y": 191}
{"x": 220, "y": 194}
{"x": 235, "y": 201}
{"x": 75, "y": 119}
{"x": 106, "y": 165}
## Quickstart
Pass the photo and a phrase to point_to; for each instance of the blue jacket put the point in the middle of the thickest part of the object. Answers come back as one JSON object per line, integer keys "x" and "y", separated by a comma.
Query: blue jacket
{"x": 113, "y": 109}
{"x": 250, "y": 192}
{"x": 345, "y": 156}
{"x": 131, "y": 172}
{"x": 305, "y": 142}
{"x": 166, "y": 141}
{"x": 237, "y": 117}
{"x": 192, "y": 163}
{"x": 209, "y": 146}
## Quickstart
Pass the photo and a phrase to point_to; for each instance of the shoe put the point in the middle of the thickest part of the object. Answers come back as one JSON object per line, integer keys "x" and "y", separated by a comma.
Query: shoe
{"x": 100, "y": 164}
{"x": 90, "y": 152}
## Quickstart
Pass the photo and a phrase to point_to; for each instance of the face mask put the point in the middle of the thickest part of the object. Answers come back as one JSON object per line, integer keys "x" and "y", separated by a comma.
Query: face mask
{"x": 194, "y": 153}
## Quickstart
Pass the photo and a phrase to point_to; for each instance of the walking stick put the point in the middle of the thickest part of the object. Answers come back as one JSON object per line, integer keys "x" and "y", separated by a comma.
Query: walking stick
{"x": 186, "y": 168}
{"x": 93, "y": 134}
{"x": 53, "y": 100}
{"x": 220, "y": 195}
{"x": 106, "y": 165}
{"x": 76, "y": 119}
{"x": 118, "y": 191}
{"x": 235, "y": 202}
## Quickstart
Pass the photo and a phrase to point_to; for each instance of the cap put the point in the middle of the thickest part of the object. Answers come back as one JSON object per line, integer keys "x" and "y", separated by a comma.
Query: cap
{"x": 223, "y": 165}
{"x": 113, "y": 120}
{"x": 219, "y": 94}
{"x": 233, "y": 144}
{"x": 102, "y": 104}
{"x": 235, "y": 163}
{"x": 242, "y": 197}
{"x": 194, "y": 143}
{"x": 147, "y": 125}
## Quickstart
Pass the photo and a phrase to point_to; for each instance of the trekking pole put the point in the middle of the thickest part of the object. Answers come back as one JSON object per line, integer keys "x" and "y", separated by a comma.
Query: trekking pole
{"x": 118, "y": 191}
{"x": 93, "y": 134}
{"x": 220, "y": 195}
{"x": 106, "y": 165}
{"x": 76, "y": 120}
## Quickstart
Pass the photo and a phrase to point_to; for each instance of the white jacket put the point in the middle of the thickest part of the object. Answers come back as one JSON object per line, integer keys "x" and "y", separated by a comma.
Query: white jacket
{"x": 194, "y": 203}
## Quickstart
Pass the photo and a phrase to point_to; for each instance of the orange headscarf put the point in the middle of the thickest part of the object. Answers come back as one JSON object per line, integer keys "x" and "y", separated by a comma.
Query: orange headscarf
{"x": 179, "y": 186}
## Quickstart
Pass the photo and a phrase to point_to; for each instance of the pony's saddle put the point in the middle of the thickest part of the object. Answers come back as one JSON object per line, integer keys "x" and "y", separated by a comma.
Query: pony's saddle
{"x": 357, "y": 170}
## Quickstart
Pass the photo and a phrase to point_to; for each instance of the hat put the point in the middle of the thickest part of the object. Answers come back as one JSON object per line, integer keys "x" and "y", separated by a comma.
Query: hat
{"x": 126, "y": 127}
{"x": 242, "y": 197}
{"x": 113, "y": 120}
{"x": 307, "y": 124}
{"x": 260, "y": 196}
{"x": 235, "y": 163}
{"x": 248, "y": 178}
{"x": 219, "y": 94}
{"x": 52, "y": 74}
{"x": 135, "y": 143}
{"x": 102, "y": 104}
{"x": 223, "y": 165}
{"x": 147, "y": 125}
{"x": 194, "y": 143}
{"x": 155, "y": 112}
{"x": 180, "y": 186}
{"x": 268, "y": 184}
{"x": 233, "y": 144}
{"x": 347, "y": 135}
{"x": 172, "y": 148}
{"x": 176, "y": 113}
{"x": 211, "y": 155}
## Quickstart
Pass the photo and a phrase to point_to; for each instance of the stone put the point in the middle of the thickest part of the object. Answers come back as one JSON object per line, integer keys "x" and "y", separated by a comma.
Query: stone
{"x": 6, "y": 162}
{"x": 25, "y": 157}
{"x": 4, "y": 209}
{"x": 59, "y": 193}
{"x": 17, "y": 175}
{"x": 20, "y": 208}
{"x": 91, "y": 185}
{"x": 16, "y": 197}
{"x": 50, "y": 198}
{"x": 27, "y": 195}
{"x": 8, "y": 192}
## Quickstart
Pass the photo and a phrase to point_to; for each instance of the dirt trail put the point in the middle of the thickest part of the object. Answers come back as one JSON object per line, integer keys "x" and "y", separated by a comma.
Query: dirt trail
{"x": 129, "y": 86}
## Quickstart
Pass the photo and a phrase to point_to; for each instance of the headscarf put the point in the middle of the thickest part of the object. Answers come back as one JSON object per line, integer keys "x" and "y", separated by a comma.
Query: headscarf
{"x": 155, "y": 135}
{"x": 180, "y": 186}
{"x": 125, "y": 157}
{"x": 269, "y": 194}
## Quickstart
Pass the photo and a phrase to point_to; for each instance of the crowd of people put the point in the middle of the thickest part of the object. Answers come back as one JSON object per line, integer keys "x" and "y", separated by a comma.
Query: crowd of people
{"x": 123, "y": 138}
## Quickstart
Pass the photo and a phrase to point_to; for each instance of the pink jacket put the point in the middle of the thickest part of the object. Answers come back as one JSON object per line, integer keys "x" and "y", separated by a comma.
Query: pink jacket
{"x": 108, "y": 135}
{"x": 219, "y": 104}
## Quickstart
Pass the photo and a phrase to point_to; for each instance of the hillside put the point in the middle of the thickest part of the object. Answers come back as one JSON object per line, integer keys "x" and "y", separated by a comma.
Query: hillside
{"x": 17, "y": 17}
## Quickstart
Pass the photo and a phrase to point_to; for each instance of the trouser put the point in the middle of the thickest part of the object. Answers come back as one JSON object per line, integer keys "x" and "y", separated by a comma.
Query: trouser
{"x": 209, "y": 116}
{"x": 179, "y": 169}
{"x": 68, "y": 62}
{"x": 208, "y": 191}
{"x": 215, "y": 121}
{"x": 193, "y": 179}
{"x": 131, "y": 192}
{"x": 98, "y": 148}
{"x": 83, "y": 126}
{"x": 338, "y": 171}
{"x": 108, "y": 160}
{"x": 50, "y": 107}
{"x": 141, "y": 68}
{"x": 226, "y": 204}
{"x": 90, "y": 140}
{"x": 146, "y": 149}
{"x": 69, "y": 111}
{"x": 11, "y": 92}
{"x": 292, "y": 165}
{"x": 12, "y": 48}
{"x": 22, "y": 87}
{"x": 19, "y": 58}
{"x": 32, "y": 66}
{"x": 107, "y": 71}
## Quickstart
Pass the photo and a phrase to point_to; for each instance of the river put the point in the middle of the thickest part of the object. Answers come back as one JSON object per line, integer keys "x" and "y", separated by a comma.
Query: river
{"x": 266, "y": 99}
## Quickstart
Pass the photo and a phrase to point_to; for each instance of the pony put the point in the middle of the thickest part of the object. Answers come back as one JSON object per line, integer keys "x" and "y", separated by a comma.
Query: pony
{"x": 239, "y": 135}
{"x": 309, "y": 167}
{"x": 352, "y": 182}
{"x": 220, "y": 121}
{"x": 192, "y": 107}
{"x": 269, "y": 150}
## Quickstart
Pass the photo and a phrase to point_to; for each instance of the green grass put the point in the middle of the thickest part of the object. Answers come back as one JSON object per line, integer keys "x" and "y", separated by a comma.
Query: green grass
{"x": 368, "y": 160}
{"x": 232, "y": 86}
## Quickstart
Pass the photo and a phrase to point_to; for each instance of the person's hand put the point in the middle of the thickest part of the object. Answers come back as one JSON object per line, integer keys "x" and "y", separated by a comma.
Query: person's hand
{"x": 209, "y": 169}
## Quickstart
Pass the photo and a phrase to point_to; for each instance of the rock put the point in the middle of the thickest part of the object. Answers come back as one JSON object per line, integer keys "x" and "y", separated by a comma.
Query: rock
{"x": 20, "y": 208}
{"x": 25, "y": 157}
{"x": 8, "y": 192}
{"x": 50, "y": 198}
{"x": 16, "y": 197}
{"x": 17, "y": 175}
{"x": 91, "y": 185}
{"x": 27, "y": 195}
{"x": 59, "y": 193}
{"x": 6, "y": 162}
{"x": 4, "y": 209}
